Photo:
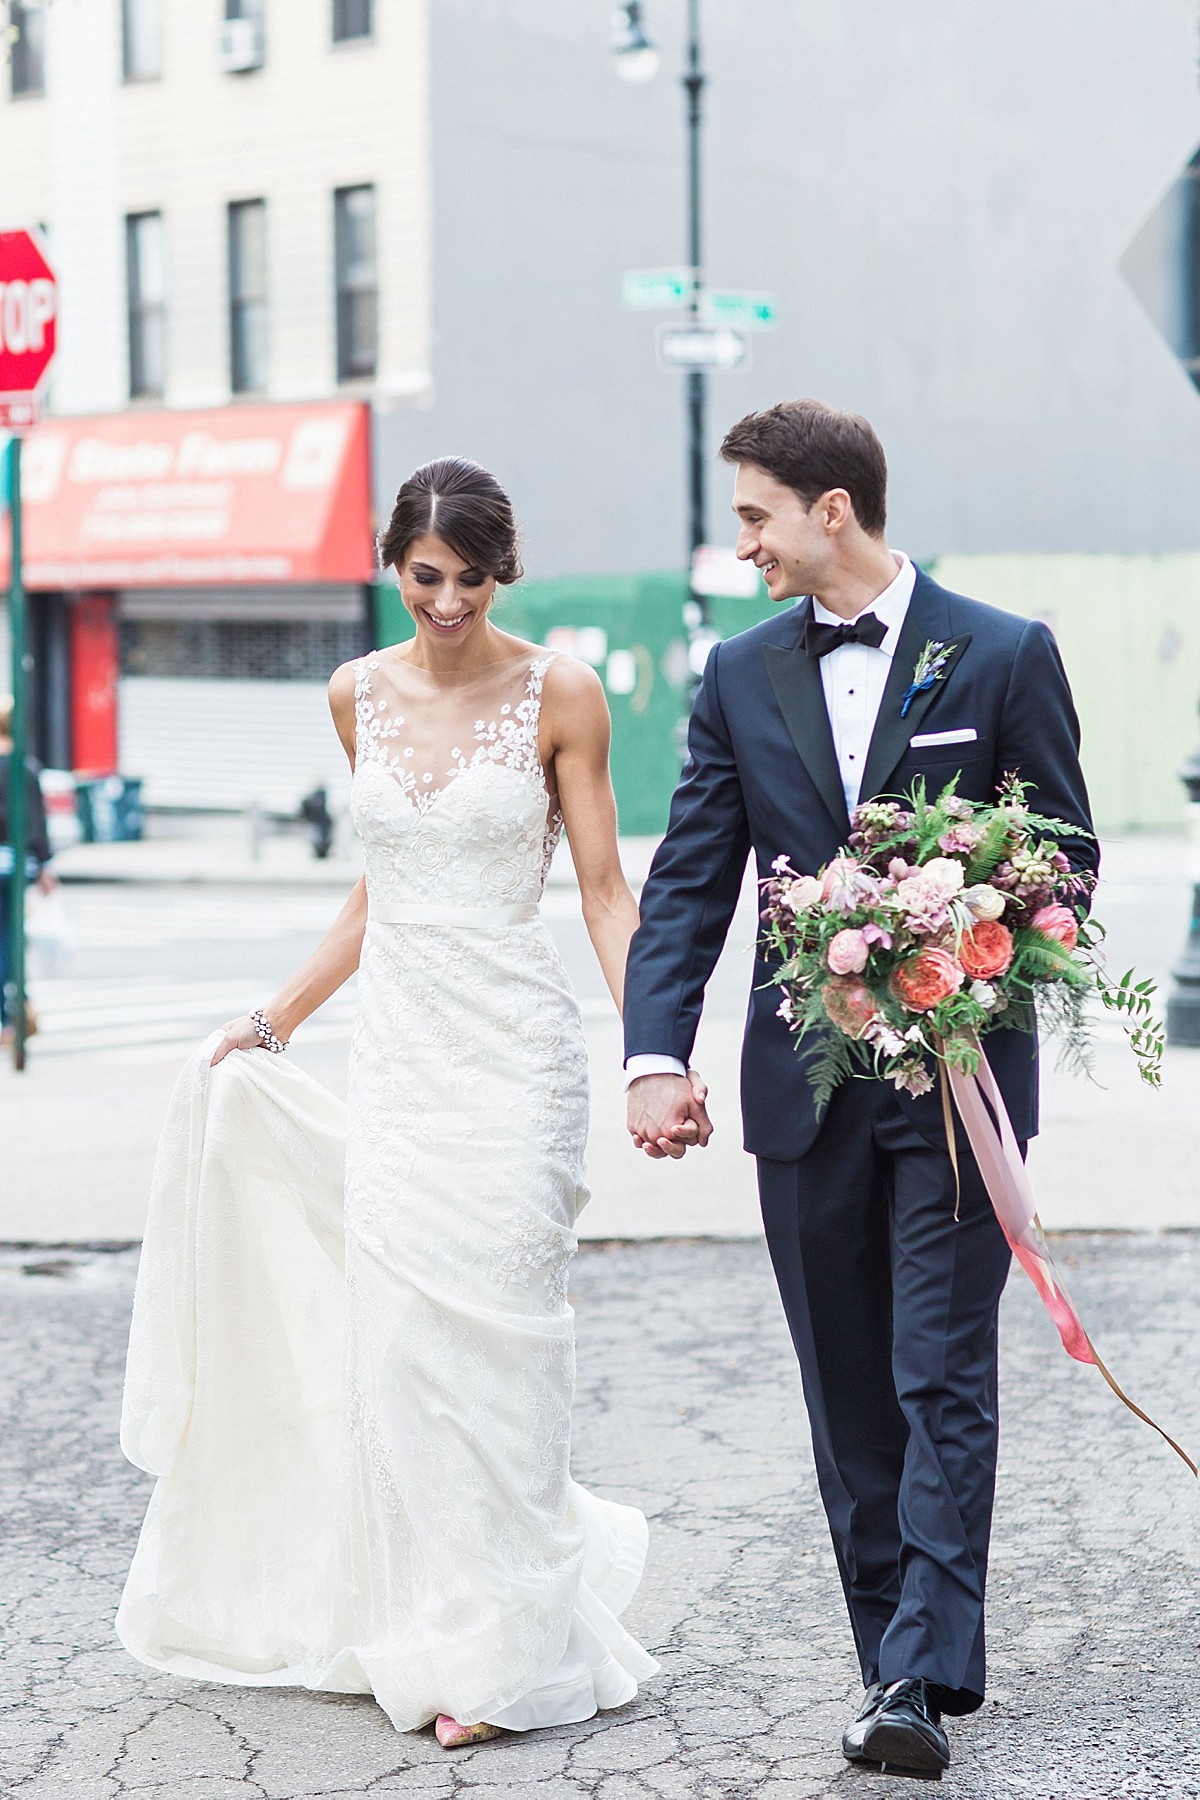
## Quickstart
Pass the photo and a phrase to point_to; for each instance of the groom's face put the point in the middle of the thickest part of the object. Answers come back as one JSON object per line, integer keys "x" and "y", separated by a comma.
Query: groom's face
{"x": 790, "y": 542}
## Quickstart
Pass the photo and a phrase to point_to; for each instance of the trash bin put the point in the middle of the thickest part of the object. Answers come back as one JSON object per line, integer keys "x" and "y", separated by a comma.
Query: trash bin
{"x": 110, "y": 808}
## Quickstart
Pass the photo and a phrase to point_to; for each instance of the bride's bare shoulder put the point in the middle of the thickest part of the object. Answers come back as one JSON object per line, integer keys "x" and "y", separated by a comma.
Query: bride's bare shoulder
{"x": 573, "y": 694}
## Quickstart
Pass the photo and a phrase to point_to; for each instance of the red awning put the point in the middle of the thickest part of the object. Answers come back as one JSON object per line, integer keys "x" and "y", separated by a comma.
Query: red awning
{"x": 235, "y": 494}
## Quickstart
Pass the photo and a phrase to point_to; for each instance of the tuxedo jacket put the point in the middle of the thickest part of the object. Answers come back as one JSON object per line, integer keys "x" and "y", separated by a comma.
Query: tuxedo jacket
{"x": 762, "y": 775}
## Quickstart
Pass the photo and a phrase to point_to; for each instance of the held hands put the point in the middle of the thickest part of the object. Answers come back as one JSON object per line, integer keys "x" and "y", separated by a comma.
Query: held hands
{"x": 240, "y": 1034}
{"x": 667, "y": 1116}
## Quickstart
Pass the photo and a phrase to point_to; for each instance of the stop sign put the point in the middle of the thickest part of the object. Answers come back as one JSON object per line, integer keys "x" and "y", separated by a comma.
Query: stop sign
{"x": 28, "y": 314}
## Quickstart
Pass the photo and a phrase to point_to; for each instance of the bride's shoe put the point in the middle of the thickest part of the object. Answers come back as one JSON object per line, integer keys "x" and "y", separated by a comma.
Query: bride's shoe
{"x": 452, "y": 1736}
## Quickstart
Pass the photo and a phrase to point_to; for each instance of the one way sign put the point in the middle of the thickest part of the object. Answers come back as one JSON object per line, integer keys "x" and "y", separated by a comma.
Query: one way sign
{"x": 702, "y": 347}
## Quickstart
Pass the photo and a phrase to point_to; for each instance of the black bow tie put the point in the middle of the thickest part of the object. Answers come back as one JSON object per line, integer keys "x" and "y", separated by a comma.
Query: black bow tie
{"x": 820, "y": 639}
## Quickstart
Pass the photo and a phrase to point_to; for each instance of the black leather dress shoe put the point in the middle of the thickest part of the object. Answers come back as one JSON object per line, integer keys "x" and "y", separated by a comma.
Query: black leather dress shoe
{"x": 852, "y": 1737}
{"x": 904, "y": 1731}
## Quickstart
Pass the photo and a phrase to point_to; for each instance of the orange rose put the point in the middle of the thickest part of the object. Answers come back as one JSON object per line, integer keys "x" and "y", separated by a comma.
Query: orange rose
{"x": 850, "y": 1004}
{"x": 986, "y": 950}
{"x": 923, "y": 981}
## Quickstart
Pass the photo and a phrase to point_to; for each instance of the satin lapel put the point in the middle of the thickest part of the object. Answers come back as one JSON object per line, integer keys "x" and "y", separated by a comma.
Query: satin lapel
{"x": 925, "y": 621}
{"x": 796, "y": 679}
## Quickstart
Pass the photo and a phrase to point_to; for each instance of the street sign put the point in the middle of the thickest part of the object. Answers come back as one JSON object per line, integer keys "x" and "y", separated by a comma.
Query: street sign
{"x": 702, "y": 347}
{"x": 28, "y": 324}
{"x": 656, "y": 290}
{"x": 734, "y": 306}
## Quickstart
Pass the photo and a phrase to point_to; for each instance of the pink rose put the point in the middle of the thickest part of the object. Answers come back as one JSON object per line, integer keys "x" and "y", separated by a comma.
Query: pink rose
{"x": 847, "y": 953}
{"x": 840, "y": 873}
{"x": 1058, "y": 923}
{"x": 923, "y": 981}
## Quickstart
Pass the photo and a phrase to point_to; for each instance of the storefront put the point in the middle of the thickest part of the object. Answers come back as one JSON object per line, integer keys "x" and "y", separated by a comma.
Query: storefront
{"x": 194, "y": 579}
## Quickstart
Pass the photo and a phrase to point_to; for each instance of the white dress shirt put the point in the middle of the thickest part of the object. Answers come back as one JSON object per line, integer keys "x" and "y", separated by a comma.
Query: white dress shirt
{"x": 853, "y": 677}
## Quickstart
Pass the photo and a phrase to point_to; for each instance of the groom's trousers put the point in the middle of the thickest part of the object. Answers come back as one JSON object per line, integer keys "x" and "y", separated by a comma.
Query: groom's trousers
{"x": 892, "y": 1304}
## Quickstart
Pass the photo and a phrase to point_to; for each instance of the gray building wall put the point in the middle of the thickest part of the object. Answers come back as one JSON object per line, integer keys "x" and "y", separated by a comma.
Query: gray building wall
{"x": 939, "y": 192}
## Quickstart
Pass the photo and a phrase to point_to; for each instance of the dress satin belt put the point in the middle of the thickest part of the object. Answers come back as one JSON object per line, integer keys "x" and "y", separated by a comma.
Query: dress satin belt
{"x": 482, "y": 918}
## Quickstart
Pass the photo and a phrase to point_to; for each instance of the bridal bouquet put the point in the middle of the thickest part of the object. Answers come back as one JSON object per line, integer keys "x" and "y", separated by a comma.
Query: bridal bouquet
{"x": 941, "y": 920}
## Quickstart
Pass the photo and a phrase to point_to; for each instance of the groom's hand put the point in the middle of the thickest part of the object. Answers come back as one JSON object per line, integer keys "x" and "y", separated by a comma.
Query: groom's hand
{"x": 666, "y": 1114}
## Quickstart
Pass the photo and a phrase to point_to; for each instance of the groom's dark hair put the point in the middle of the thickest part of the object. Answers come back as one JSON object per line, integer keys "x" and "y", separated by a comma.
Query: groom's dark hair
{"x": 811, "y": 448}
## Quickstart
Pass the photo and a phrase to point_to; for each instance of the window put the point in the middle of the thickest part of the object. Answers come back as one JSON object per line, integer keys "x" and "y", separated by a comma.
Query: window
{"x": 27, "y": 37}
{"x": 354, "y": 257}
{"x": 248, "y": 296}
{"x": 146, "y": 275}
{"x": 351, "y": 19}
{"x": 243, "y": 9}
{"x": 141, "y": 39}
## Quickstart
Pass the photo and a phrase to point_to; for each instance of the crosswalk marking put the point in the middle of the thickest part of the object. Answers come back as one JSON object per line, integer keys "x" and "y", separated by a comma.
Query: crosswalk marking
{"x": 98, "y": 1018}
{"x": 93, "y": 1017}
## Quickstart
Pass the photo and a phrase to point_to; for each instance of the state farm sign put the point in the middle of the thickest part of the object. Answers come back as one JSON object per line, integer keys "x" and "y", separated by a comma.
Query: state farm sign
{"x": 28, "y": 324}
{"x": 238, "y": 494}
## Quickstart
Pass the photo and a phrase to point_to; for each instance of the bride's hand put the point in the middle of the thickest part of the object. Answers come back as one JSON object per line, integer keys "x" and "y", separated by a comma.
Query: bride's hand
{"x": 240, "y": 1034}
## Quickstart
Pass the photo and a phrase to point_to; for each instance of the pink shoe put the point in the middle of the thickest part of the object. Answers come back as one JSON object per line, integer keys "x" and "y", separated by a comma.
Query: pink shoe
{"x": 452, "y": 1736}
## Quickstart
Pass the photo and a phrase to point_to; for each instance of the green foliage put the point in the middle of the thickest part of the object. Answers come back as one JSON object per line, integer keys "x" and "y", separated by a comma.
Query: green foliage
{"x": 1133, "y": 1002}
{"x": 992, "y": 849}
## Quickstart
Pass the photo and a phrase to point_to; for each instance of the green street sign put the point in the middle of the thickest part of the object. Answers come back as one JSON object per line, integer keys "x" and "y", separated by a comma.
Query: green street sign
{"x": 734, "y": 306}
{"x": 650, "y": 290}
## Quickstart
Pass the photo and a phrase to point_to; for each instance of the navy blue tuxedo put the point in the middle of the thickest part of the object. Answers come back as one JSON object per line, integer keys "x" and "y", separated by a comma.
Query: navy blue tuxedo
{"x": 762, "y": 775}
{"x": 892, "y": 1300}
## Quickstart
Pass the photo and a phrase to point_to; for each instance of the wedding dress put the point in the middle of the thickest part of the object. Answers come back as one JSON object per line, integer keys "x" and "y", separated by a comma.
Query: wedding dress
{"x": 352, "y": 1356}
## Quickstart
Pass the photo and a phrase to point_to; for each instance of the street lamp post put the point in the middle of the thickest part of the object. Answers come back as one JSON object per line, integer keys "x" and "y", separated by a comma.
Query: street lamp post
{"x": 1183, "y": 1006}
{"x": 637, "y": 59}
{"x": 693, "y": 87}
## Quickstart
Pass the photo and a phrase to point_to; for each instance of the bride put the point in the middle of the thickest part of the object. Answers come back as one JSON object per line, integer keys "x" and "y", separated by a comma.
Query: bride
{"x": 352, "y": 1357}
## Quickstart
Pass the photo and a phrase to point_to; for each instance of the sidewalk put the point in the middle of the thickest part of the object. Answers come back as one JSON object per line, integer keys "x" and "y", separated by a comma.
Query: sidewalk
{"x": 78, "y": 1132}
{"x": 224, "y": 857}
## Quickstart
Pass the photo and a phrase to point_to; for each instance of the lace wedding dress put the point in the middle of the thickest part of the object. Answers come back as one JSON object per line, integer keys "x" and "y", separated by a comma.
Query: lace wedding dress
{"x": 352, "y": 1357}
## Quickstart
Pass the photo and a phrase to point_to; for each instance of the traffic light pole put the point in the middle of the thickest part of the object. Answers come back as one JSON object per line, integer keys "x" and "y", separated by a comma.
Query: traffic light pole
{"x": 18, "y": 821}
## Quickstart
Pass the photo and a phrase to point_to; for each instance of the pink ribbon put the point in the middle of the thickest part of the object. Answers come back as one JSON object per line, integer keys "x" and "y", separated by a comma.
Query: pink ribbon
{"x": 999, "y": 1158}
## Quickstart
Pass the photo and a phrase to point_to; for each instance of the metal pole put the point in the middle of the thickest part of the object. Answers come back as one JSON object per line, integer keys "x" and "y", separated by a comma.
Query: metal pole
{"x": 1183, "y": 1005}
{"x": 693, "y": 86}
{"x": 18, "y": 823}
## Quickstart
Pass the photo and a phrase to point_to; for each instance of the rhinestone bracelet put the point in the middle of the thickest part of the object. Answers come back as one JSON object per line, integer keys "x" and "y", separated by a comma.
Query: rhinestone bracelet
{"x": 266, "y": 1037}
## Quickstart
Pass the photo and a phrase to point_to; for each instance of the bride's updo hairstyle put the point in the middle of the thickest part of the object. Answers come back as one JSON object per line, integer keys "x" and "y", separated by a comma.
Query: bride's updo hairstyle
{"x": 462, "y": 504}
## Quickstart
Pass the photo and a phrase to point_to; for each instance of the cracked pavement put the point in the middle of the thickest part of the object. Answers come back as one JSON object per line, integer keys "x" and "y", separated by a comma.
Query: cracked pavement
{"x": 689, "y": 1404}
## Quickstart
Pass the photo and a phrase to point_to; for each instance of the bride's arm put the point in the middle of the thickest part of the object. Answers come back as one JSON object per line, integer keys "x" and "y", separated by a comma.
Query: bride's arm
{"x": 336, "y": 957}
{"x": 576, "y": 731}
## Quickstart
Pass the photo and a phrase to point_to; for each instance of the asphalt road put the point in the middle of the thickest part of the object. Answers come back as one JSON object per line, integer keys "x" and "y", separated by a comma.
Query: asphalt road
{"x": 688, "y": 1405}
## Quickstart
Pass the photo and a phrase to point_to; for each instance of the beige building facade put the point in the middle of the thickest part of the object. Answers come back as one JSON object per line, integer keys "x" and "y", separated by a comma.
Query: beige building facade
{"x": 143, "y": 111}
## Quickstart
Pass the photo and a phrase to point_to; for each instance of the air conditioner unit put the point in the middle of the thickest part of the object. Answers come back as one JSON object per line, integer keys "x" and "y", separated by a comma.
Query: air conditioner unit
{"x": 241, "y": 46}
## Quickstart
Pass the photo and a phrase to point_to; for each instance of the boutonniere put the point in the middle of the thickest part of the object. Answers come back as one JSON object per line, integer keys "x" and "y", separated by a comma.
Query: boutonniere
{"x": 931, "y": 668}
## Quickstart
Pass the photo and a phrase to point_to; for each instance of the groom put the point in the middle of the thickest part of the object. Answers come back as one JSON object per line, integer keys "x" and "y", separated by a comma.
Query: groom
{"x": 891, "y": 1300}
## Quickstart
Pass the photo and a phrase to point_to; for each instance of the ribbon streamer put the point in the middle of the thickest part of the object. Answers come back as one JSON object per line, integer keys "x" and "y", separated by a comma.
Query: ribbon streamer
{"x": 996, "y": 1151}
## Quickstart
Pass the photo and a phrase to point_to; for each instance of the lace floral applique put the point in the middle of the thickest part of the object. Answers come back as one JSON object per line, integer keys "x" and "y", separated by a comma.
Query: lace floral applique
{"x": 510, "y": 741}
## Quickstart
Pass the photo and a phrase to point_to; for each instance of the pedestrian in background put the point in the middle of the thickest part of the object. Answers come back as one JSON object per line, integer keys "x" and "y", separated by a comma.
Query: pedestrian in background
{"x": 37, "y": 867}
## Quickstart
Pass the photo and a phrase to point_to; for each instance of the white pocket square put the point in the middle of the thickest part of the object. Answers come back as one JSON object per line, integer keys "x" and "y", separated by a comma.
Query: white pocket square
{"x": 926, "y": 739}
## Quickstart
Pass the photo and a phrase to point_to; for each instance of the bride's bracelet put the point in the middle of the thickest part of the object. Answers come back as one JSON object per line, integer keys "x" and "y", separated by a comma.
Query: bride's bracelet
{"x": 266, "y": 1036}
